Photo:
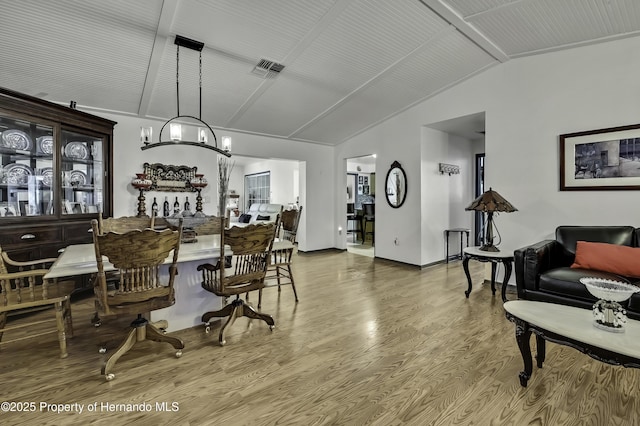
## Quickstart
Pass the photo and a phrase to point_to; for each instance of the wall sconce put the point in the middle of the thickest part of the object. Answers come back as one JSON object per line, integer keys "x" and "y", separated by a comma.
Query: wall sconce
{"x": 146, "y": 134}
{"x": 175, "y": 132}
{"x": 226, "y": 143}
{"x": 450, "y": 169}
{"x": 202, "y": 135}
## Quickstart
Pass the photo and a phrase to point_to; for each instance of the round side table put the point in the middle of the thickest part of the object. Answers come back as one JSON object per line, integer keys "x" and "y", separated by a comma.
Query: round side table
{"x": 495, "y": 257}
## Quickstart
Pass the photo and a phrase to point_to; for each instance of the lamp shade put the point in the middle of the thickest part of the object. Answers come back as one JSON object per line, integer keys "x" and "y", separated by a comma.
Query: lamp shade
{"x": 491, "y": 201}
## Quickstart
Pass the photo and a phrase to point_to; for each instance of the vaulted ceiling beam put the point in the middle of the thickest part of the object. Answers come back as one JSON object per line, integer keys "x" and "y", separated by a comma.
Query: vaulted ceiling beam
{"x": 165, "y": 21}
{"x": 469, "y": 31}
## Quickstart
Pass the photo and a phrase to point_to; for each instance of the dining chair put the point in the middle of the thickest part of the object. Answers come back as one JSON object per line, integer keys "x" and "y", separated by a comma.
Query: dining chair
{"x": 120, "y": 225}
{"x": 143, "y": 285}
{"x": 244, "y": 272}
{"x": 354, "y": 219}
{"x": 369, "y": 217}
{"x": 23, "y": 290}
{"x": 282, "y": 254}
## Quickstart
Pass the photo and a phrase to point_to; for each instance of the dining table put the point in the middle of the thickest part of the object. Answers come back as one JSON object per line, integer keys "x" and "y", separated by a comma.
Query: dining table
{"x": 191, "y": 299}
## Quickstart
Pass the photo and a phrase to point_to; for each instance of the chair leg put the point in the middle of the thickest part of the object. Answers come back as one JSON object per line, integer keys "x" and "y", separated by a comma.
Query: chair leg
{"x": 232, "y": 318}
{"x": 160, "y": 324}
{"x": 259, "y": 298}
{"x": 157, "y": 336}
{"x": 122, "y": 349}
{"x": 3, "y": 323}
{"x": 293, "y": 285}
{"x": 224, "y": 312}
{"x": 249, "y": 312}
{"x": 60, "y": 324}
{"x": 278, "y": 277}
{"x": 68, "y": 318}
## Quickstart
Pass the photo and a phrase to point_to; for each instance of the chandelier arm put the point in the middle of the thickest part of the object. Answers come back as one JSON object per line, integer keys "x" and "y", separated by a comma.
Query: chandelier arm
{"x": 215, "y": 140}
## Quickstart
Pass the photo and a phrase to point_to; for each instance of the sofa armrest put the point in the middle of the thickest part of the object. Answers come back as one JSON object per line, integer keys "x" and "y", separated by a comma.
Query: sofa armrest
{"x": 533, "y": 260}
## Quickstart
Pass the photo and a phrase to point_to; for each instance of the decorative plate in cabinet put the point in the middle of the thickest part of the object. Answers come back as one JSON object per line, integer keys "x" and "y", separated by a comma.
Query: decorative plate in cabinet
{"x": 47, "y": 176}
{"x": 16, "y": 139}
{"x": 45, "y": 144}
{"x": 77, "y": 177}
{"x": 76, "y": 151}
{"x": 16, "y": 174}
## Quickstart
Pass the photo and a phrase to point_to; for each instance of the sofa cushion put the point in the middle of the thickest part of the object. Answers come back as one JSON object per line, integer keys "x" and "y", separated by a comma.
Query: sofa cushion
{"x": 566, "y": 281}
{"x": 264, "y": 212}
{"x": 620, "y": 260}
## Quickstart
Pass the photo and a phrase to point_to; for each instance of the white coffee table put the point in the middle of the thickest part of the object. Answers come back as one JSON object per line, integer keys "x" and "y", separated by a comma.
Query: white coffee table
{"x": 572, "y": 327}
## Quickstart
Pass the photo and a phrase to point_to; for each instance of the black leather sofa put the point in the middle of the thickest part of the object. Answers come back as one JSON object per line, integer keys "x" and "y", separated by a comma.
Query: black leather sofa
{"x": 543, "y": 271}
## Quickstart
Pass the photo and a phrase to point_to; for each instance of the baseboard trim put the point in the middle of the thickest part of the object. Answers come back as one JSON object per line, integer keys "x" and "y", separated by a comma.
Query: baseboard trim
{"x": 325, "y": 250}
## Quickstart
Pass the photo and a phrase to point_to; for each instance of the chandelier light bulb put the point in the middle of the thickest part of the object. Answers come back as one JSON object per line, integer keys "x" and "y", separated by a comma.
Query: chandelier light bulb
{"x": 175, "y": 132}
{"x": 226, "y": 143}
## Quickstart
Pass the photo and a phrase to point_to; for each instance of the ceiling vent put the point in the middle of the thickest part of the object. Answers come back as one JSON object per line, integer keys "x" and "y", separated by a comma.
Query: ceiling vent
{"x": 267, "y": 69}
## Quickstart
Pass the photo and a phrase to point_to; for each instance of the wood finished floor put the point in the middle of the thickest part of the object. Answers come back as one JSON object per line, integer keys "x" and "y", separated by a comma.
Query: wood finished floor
{"x": 370, "y": 343}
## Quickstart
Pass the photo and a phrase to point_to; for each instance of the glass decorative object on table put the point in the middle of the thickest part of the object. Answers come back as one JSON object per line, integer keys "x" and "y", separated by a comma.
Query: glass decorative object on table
{"x": 608, "y": 314}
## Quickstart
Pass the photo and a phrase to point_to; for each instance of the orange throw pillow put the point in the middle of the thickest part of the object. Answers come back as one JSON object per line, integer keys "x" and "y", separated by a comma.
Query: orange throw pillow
{"x": 621, "y": 260}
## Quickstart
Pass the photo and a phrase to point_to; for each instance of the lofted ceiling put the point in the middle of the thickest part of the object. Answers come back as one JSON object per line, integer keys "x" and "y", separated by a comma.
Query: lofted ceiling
{"x": 349, "y": 64}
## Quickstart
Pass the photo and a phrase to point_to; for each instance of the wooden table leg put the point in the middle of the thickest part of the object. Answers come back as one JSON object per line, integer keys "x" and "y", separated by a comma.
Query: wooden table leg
{"x": 465, "y": 266}
{"x": 446, "y": 243}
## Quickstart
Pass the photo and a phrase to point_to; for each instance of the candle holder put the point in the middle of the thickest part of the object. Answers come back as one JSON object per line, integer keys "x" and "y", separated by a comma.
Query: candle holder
{"x": 141, "y": 183}
{"x": 198, "y": 182}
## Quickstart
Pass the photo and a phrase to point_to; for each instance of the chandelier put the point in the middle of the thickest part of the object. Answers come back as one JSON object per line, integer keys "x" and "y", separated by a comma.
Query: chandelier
{"x": 175, "y": 129}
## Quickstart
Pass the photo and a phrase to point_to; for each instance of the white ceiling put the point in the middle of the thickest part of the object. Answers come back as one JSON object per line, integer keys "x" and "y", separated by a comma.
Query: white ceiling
{"x": 349, "y": 64}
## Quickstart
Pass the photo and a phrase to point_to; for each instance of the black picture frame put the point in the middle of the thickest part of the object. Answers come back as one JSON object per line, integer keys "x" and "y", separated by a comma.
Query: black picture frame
{"x": 600, "y": 160}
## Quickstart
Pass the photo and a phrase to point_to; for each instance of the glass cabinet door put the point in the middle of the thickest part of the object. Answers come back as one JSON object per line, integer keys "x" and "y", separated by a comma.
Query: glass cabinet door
{"x": 26, "y": 169}
{"x": 82, "y": 173}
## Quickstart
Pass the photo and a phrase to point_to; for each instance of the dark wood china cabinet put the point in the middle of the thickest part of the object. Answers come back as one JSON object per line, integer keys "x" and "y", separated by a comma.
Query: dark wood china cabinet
{"x": 55, "y": 175}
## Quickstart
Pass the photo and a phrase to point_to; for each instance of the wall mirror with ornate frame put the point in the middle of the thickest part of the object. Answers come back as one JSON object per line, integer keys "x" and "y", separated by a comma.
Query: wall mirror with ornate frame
{"x": 396, "y": 185}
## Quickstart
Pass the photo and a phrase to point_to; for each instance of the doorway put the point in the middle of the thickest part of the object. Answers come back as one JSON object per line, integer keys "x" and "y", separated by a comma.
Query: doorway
{"x": 361, "y": 182}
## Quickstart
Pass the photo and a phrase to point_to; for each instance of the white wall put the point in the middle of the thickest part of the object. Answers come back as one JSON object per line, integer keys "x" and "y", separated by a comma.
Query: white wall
{"x": 317, "y": 173}
{"x": 528, "y": 102}
{"x": 284, "y": 177}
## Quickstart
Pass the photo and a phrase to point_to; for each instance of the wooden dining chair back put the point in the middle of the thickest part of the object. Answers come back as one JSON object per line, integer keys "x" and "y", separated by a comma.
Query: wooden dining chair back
{"x": 23, "y": 289}
{"x": 209, "y": 225}
{"x": 282, "y": 251}
{"x": 121, "y": 225}
{"x": 289, "y": 221}
{"x": 125, "y": 223}
{"x": 143, "y": 286}
{"x": 244, "y": 272}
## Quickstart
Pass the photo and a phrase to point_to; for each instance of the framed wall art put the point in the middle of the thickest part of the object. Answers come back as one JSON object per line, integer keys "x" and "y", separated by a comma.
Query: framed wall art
{"x": 603, "y": 159}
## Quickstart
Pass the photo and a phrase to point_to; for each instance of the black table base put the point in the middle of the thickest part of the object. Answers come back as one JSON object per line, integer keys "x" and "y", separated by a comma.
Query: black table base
{"x": 508, "y": 266}
{"x": 523, "y": 337}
